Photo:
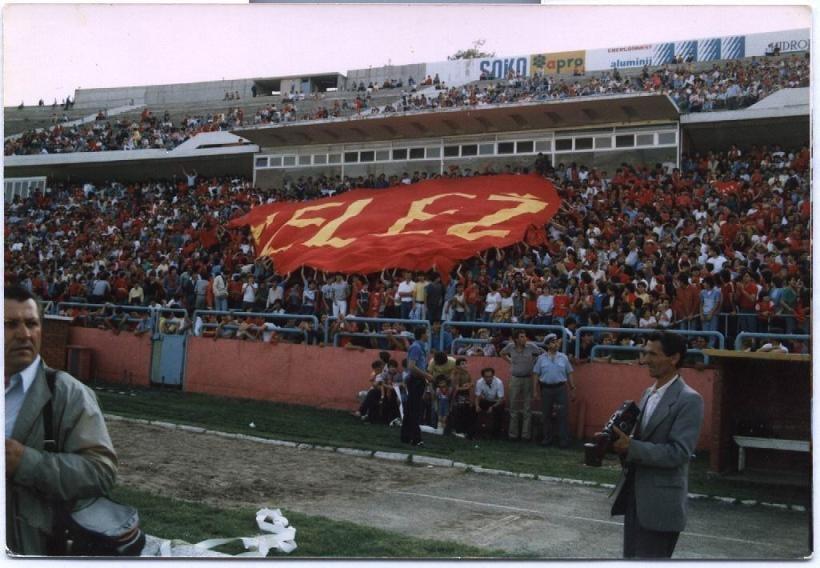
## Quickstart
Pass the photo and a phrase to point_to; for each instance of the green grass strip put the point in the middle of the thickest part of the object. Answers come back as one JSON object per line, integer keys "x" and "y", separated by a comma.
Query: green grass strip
{"x": 315, "y": 536}
{"x": 340, "y": 429}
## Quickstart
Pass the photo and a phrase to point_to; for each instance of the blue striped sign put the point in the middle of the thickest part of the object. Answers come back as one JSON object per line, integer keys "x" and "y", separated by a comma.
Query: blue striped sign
{"x": 709, "y": 49}
{"x": 733, "y": 47}
{"x": 664, "y": 53}
{"x": 687, "y": 50}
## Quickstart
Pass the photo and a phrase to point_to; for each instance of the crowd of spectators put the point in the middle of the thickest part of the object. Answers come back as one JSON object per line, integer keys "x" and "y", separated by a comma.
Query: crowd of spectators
{"x": 642, "y": 247}
{"x": 149, "y": 131}
{"x": 727, "y": 85}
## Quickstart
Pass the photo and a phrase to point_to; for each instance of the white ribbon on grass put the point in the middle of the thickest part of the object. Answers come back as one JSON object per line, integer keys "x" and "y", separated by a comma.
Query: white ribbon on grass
{"x": 280, "y": 537}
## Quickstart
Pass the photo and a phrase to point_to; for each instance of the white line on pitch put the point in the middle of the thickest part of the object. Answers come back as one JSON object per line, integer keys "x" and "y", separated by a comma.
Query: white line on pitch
{"x": 588, "y": 519}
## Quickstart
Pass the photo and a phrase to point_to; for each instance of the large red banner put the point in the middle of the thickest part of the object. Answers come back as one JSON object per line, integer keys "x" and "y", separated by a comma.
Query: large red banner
{"x": 432, "y": 224}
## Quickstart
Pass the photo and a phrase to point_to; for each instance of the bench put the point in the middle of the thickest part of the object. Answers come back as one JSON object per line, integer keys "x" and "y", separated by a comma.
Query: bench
{"x": 744, "y": 442}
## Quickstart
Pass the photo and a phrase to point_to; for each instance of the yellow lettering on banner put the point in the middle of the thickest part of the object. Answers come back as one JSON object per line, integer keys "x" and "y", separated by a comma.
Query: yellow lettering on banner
{"x": 324, "y": 237}
{"x": 257, "y": 230}
{"x": 417, "y": 213}
{"x": 297, "y": 221}
{"x": 527, "y": 203}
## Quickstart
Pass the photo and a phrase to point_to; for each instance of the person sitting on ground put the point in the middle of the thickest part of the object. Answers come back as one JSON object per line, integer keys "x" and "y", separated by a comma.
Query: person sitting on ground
{"x": 440, "y": 365}
{"x": 489, "y": 398}
{"x": 376, "y": 406}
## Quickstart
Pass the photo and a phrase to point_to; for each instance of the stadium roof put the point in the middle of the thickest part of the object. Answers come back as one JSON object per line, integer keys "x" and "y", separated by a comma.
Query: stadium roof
{"x": 782, "y": 117}
{"x": 210, "y": 153}
{"x": 578, "y": 112}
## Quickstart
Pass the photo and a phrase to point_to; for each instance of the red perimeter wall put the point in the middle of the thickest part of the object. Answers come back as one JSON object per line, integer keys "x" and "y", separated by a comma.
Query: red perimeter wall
{"x": 122, "y": 359}
{"x": 330, "y": 377}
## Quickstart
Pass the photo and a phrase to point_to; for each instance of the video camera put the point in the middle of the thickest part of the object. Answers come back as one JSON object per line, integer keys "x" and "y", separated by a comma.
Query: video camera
{"x": 625, "y": 419}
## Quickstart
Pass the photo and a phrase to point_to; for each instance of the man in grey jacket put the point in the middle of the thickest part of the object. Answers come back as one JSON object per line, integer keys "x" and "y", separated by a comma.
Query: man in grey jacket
{"x": 653, "y": 488}
{"x": 39, "y": 481}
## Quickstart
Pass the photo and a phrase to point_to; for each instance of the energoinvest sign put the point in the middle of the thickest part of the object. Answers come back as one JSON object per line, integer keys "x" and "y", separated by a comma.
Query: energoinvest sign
{"x": 712, "y": 49}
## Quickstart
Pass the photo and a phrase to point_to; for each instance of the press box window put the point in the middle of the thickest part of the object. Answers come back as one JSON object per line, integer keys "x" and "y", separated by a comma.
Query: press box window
{"x": 334, "y": 158}
{"x": 319, "y": 159}
{"x": 506, "y": 147}
{"x": 416, "y": 153}
{"x": 486, "y": 149}
{"x": 289, "y": 161}
{"x": 524, "y": 147}
{"x": 351, "y": 157}
{"x": 367, "y": 156}
{"x": 304, "y": 160}
{"x": 469, "y": 150}
{"x": 603, "y": 142}
{"x": 646, "y": 140}
{"x": 563, "y": 145}
{"x": 583, "y": 143}
{"x": 625, "y": 141}
{"x": 276, "y": 162}
{"x": 542, "y": 146}
{"x": 400, "y": 154}
{"x": 433, "y": 152}
{"x": 382, "y": 155}
{"x": 261, "y": 162}
{"x": 451, "y": 151}
{"x": 666, "y": 137}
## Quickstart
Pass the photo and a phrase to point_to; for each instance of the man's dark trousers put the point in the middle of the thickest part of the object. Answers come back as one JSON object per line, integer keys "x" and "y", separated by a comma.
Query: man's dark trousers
{"x": 555, "y": 396}
{"x": 638, "y": 541}
{"x": 410, "y": 430}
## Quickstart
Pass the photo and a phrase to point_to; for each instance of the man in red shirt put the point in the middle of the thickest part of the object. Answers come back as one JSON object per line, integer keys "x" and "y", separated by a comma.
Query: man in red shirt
{"x": 746, "y": 299}
{"x": 686, "y": 303}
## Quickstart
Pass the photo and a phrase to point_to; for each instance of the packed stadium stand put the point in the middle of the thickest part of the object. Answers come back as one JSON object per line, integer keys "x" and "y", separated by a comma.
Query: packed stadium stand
{"x": 675, "y": 178}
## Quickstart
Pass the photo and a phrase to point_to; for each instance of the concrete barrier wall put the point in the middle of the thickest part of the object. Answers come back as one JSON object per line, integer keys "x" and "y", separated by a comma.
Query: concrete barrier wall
{"x": 121, "y": 359}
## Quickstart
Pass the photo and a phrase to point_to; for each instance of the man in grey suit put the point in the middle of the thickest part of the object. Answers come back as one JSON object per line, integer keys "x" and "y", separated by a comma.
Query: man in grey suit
{"x": 653, "y": 488}
{"x": 38, "y": 479}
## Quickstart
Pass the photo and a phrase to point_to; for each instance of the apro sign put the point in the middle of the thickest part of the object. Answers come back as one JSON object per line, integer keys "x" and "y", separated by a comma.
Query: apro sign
{"x": 563, "y": 62}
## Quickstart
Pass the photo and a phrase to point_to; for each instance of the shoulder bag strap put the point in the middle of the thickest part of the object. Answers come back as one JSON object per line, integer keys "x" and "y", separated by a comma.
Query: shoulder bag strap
{"x": 49, "y": 442}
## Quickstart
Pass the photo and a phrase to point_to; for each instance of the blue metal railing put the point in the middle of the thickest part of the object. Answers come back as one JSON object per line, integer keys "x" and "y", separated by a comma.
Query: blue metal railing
{"x": 787, "y": 336}
{"x": 628, "y": 348}
{"x": 643, "y": 331}
{"x": 263, "y": 315}
{"x": 516, "y": 326}
{"x": 406, "y": 323}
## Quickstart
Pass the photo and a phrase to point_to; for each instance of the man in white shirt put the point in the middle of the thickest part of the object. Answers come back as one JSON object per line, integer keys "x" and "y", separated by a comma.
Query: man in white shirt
{"x": 404, "y": 295}
{"x": 489, "y": 399}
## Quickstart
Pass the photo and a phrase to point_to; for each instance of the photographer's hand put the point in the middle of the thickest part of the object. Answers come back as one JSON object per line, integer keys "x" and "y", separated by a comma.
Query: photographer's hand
{"x": 14, "y": 453}
{"x": 621, "y": 445}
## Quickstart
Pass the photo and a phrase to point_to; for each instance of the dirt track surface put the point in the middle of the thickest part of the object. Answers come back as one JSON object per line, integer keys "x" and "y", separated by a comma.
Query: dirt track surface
{"x": 547, "y": 519}
{"x": 227, "y": 472}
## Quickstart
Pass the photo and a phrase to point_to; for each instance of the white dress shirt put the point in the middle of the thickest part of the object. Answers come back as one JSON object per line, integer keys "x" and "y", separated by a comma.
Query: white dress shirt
{"x": 16, "y": 393}
{"x": 653, "y": 400}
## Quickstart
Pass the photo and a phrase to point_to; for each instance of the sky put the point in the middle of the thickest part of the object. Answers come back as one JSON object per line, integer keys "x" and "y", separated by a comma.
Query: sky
{"x": 50, "y": 50}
